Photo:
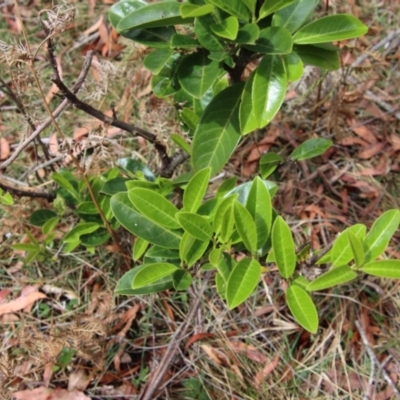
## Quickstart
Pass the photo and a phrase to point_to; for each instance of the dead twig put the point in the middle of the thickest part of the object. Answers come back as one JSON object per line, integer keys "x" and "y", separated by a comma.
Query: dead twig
{"x": 21, "y": 190}
{"x": 56, "y": 113}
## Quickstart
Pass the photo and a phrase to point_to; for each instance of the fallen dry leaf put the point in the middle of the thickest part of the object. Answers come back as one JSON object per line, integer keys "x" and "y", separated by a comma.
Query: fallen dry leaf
{"x": 4, "y": 149}
{"x": 371, "y": 151}
{"x": 249, "y": 351}
{"x": 20, "y": 303}
{"x": 40, "y": 393}
{"x": 269, "y": 367}
{"x": 78, "y": 380}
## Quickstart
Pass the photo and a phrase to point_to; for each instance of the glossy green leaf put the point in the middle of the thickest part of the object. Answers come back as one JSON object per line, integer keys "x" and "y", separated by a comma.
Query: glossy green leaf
{"x": 329, "y": 29}
{"x": 181, "y": 143}
{"x": 312, "y": 55}
{"x": 159, "y": 38}
{"x": 380, "y": 234}
{"x": 166, "y": 81}
{"x": 49, "y": 225}
{"x": 135, "y": 168}
{"x": 214, "y": 256}
{"x": 62, "y": 180}
{"x": 6, "y": 199}
{"x": 334, "y": 277}
{"x": 301, "y": 281}
{"x": 161, "y": 253}
{"x": 218, "y": 132}
{"x": 283, "y": 246}
{"x": 233, "y": 7}
{"x": 155, "y": 207}
{"x": 260, "y": 208}
{"x": 242, "y": 281}
{"x": 191, "y": 249}
{"x": 196, "y": 190}
{"x": 181, "y": 279}
{"x": 226, "y": 186}
{"x": 156, "y": 60}
{"x": 95, "y": 239}
{"x": 121, "y": 9}
{"x": 197, "y": 73}
{"x": 151, "y": 273}
{"x": 251, "y": 5}
{"x": 196, "y": 225}
{"x": 227, "y": 225}
{"x": 310, "y": 148}
{"x": 180, "y": 41}
{"x": 154, "y": 15}
{"x": 248, "y": 34}
{"x": 139, "y": 248}
{"x": 208, "y": 208}
{"x": 243, "y": 190}
{"x": 124, "y": 285}
{"x": 293, "y": 16}
{"x": 383, "y": 268}
{"x": 192, "y": 11}
{"x": 246, "y": 226}
{"x": 82, "y": 228}
{"x": 356, "y": 248}
{"x": 270, "y": 7}
{"x": 341, "y": 253}
{"x": 294, "y": 66}
{"x": 228, "y": 28}
{"x": 142, "y": 226}
{"x": 87, "y": 207}
{"x": 268, "y": 164}
{"x": 225, "y": 266}
{"x": 272, "y": 40}
{"x": 302, "y": 308}
{"x": 265, "y": 92}
{"x": 190, "y": 118}
{"x": 219, "y": 215}
{"x": 205, "y": 36}
{"x": 40, "y": 217}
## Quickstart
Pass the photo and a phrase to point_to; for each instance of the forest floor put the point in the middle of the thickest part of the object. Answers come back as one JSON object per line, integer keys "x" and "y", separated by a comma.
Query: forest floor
{"x": 64, "y": 333}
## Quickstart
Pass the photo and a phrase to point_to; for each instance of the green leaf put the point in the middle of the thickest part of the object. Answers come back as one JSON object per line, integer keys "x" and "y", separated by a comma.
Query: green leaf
{"x": 233, "y": 7}
{"x": 260, "y": 208}
{"x": 114, "y": 185}
{"x": 246, "y": 226}
{"x": 268, "y": 164}
{"x": 159, "y": 38}
{"x": 248, "y": 34}
{"x": 227, "y": 225}
{"x": 312, "y": 55}
{"x": 49, "y": 225}
{"x": 95, "y": 239}
{"x": 227, "y": 28}
{"x": 380, "y": 234}
{"x": 166, "y": 82}
{"x": 196, "y": 190}
{"x": 190, "y": 118}
{"x": 205, "y": 36}
{"x": 61, "y": 179}
{"x": 196, "y": 225}
{"x": 124, "y": 285}
{"x": 165, "y": 13}
{"x": 215, "y": 256}
{"x": 243, "y": 190}
{"x": 181, "y": 142}
{"x": 294, "y": 66}
{"x": 25, "y": 247}
{"x": 251, "y": 5}
{"x": 218, "y": 132}
{"x": 270, "y": 7}
{"x": 283, "y": 246}
{"x": 329, "y": 29}
{"x": 264, "y": 94}
{"x": 197, "y": 73}
{"x": 191, "y": 249}
{"x": 334, "y": 277}
{"x": 82, "y": 228}
{"x": 357, "y": 249}
{"x": 181, "y": 279}
{"x": 139, "y": 248}
{"x": 121, "y": 9}
{"x": 157, "y": 252}
{"x": 242, "y": 281}
{"x": 310, "y": 148}
{"x": 6, "y": 199}
{"x": 141, "y": 226}
{"x": 220, "y": 213}
{"x": 272, "y": 40}
{"x": 183, "y": 42}
{"x": 341, "y": 253}
{"x": 155, "y": 207}
{"x": 383, "y": 268}
{"x": 135, "y": 168}
{"x": 151, "y": 273}
{"x": 293, "y": 16}
{"x": 156, "y": 60}
{"x": 226, "y": 186}
{"x": 192, "y": 11}
{"x": 40, "y": 217}
{"x": 302, "y": 308}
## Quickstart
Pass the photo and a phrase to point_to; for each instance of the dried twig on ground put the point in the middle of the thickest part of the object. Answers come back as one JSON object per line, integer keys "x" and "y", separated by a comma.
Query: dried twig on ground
{"x": 21, "y": 190}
